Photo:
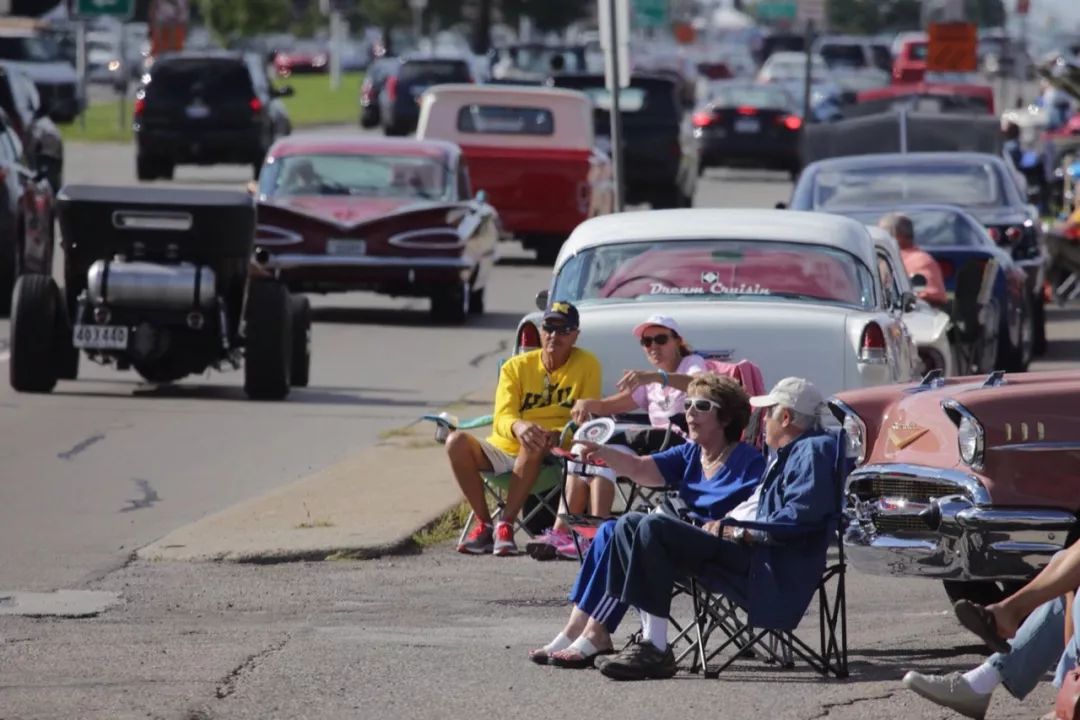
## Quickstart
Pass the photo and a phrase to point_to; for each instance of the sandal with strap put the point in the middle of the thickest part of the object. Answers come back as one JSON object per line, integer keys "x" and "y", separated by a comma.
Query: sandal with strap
{"x": 578, "y": 656}
{"x": 980, "y": 621}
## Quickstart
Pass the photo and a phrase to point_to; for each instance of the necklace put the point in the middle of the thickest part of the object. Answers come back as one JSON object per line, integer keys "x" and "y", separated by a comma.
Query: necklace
{"x": 713, "y": 464}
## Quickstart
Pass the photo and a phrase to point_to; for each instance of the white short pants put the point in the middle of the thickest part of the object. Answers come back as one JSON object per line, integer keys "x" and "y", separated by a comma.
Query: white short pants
{"x": 501, "y": 461}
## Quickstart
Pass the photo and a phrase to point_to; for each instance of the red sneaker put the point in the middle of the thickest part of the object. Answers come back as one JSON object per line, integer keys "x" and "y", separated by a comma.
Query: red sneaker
{"x": 504, "y": 540}
{"x": 479, "y": 541}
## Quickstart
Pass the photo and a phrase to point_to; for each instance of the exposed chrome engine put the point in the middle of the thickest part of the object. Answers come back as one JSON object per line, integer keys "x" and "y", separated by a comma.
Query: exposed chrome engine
{"x": 150, "y": 285}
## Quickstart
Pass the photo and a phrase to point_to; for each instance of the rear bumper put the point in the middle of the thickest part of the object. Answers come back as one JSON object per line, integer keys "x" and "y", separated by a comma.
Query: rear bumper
{"x": 185, "y": 146}
{"x": 396, "y": 275}
{"x": 747, "y": 151}
{"x": 904, "y": 521}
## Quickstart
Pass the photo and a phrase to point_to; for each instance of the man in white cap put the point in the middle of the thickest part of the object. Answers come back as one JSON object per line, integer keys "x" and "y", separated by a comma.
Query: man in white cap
{"x": 766, "y": 572}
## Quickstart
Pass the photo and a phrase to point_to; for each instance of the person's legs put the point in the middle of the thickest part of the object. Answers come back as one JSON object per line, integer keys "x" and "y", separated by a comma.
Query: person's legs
{"x": 576, "y": 501}
{"x": 602, "y": 494}
{"x": 526, "y": 469}
{"x": 467, "y": 460}
{"x": 1071, "y": 654}
{"x": 1061, "y": 575}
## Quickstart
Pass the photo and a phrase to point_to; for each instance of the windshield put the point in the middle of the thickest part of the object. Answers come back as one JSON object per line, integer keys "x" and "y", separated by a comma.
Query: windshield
{"x": 714, "y": 270}
{"x": 969, "y": 184}
{"x": 33, "y": 49}
{"x": 933, "y": 228}
{"x": 359, "y": 175}
{"x": 843, "y": 56}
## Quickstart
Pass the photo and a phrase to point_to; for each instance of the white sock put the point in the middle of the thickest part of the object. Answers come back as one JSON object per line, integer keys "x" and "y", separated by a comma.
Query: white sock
{"x": 983, "y": 679}
{"x": 561, "y": 642}
{"x": 583, "y": 647}
{"x": 655, "y": 630}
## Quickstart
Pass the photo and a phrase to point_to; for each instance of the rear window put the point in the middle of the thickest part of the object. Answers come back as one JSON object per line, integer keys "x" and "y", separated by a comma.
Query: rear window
{"x": 644, "y": 97}
{"x": 31, "y": 49}
{"x": 505, "y": 120}
{"x": 209, "y": 80}
{"x": 843, "y": 56}
{"x": 433, "y": 73}
{"x": 759, "y": 96}
{"x": 918, "y": 51}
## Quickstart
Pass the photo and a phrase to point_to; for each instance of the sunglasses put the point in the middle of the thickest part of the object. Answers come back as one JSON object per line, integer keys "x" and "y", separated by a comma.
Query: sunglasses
{"x": 661, "y": 339}
{"x": 557, "y": 329}
{"x": 701, "y": 404}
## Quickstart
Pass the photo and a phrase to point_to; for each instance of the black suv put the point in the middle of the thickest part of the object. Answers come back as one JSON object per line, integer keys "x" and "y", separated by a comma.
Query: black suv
{"x": 203, "y": 108}
{"x": 399, "y": 100}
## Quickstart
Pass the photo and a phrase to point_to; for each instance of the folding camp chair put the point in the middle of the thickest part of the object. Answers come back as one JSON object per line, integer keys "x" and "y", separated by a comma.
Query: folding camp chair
{"x": 715, "y": 613}
{"x": 545, "y": 492}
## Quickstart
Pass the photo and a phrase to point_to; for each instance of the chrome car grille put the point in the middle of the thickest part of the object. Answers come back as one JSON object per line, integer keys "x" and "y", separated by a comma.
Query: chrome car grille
{"x": 892, "y": 525}
{"x": 920, "y": 491}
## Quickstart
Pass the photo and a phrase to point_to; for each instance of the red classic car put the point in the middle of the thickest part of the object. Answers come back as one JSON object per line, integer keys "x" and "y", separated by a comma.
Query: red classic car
{"x": 971, "y": 480}
{"x": 339, "y": 213}
{"x": 910, "y": 63}
{"x": 929, "y": 97}
{"x": 532, "y": 150}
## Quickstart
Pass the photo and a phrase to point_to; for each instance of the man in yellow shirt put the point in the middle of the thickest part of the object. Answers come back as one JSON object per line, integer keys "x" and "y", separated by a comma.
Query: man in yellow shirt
{"x": 532, "y": 404}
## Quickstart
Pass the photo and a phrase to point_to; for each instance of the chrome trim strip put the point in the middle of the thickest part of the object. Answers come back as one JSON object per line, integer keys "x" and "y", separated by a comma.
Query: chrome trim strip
{"x": 152, "y": 220}
{"x": 406, "y": 239}
{"x": 296, "y": 262}
{"x": 968, "y": 482}
{"x": 1004, "y": 519}
{"x": 278, "y": 236}
{"x": 1045, "y": 446}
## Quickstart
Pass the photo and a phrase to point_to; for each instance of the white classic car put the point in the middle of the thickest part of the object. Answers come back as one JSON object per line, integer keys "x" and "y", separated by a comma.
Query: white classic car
{"x": 797, "y": 293}
{"x": 929, "y": 326}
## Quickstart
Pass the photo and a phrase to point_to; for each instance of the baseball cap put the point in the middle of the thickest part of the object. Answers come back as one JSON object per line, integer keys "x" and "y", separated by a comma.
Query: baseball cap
{"x": 564, "y": 312}
{"x": 662, "y": 321}
{"x": 799, "y": 394}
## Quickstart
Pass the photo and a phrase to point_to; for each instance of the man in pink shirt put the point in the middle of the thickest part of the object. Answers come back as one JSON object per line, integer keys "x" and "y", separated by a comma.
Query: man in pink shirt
{"x": 916, "y": 261}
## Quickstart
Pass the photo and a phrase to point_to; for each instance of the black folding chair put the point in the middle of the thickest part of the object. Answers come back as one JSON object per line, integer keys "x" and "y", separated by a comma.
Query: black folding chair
{"x": 715, "y": 613}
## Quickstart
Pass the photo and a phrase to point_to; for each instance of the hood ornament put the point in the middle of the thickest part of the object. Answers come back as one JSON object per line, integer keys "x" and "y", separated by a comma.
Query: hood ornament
{"x": 903, "y": 434}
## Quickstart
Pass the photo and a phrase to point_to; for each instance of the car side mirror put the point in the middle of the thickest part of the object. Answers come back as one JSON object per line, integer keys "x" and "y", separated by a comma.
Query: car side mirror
{"x": 481, "y": 196}
{"x": 908, "y": 301}
{"x": 781, "y": 205}
{"x": 542, "y": 300}
{"x": 918, "y": 281}
{"x": 286, "y": 91}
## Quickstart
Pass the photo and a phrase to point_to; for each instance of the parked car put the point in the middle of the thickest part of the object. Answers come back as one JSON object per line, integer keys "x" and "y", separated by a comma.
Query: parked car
{"x": 158, "y": 280}
{"x": 855, "y": 63}
{"x": 992, "y": 319}
{"x": 925, "y": 97}
{"x": 660, "y": 154}
{"x": 980, "y": 183}
{"x": 399, "y": 102}
{"x": 40, "y": 138}
{"x": 398, "y": 217}
{"x": 533, "y": 62}
{"x": 374, "y": 81}
{"x": 205, "y": 108}
{"x": 790, "y": 67}
{"x": 748, "y": 124}
{"x": 26, "y": 216}
{"x": 531, "y": 150}
{"x": 26, "y": 44}
{"x": 909, "y": 66}
{"x": 795, "y": 293}
{"x": 969, "y": 480}
{"x": 308, "y": 56}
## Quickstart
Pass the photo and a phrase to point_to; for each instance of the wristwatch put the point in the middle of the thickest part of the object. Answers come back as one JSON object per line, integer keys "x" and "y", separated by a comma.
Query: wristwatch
{"x": 738, "y": 533}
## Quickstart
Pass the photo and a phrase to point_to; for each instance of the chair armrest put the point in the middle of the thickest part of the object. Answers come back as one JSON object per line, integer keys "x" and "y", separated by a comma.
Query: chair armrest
{"x": 446, "y": 424}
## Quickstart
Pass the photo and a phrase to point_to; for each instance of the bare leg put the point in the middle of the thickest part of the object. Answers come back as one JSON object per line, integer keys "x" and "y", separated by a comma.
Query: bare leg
{"x": 603, "y": 496}
{"x": 467, "y": 460}
{"x": 576, "y": 624}
{"x": 526, "y": 470}
{"x": 597, "y": 634}
{"x": 577, "y": 499}
{"x": 1060, "y": 576}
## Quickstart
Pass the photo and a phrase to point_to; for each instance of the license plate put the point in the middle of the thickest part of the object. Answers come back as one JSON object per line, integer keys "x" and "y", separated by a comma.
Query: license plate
{"x": 346, "y": 247}
{"x": 100, "y": 337}
{"x": 198, "y": 112}
{"x": 747, "y": 126}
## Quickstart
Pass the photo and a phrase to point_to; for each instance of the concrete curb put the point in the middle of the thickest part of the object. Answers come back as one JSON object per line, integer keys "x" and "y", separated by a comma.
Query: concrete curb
{"x": 368, "y": 505}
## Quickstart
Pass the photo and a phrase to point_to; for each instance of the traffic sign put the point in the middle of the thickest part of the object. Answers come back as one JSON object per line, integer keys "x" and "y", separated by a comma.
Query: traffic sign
{"x": 952, "y": 47}
{"x": 784, "y": 10}
{"x": 651, "y": 13}
{"x": 122, "y": 9}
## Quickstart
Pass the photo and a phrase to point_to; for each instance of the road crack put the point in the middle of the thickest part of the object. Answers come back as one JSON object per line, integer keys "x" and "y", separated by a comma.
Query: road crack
{"x": 228, "y": 684}
{"x": 80, "y": 446}
{"x": 829, "y": 707}
{"x": 501, "y": 347}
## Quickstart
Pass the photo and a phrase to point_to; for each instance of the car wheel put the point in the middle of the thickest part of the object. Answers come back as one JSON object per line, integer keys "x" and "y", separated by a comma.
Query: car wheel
{"x": 32, "y": 364}
{"x": 7, "y": 281}
{"x": 145, "y": 168}
{"x": 1038, "y": 321}
{"x": 476, "y": 302}
{"x": 450, "y": 305}
{"x": 268, "y": 344}
{"x": 982, "y": 592}
{"x": 67, "y": 355}
{"x": 301, "y": 341}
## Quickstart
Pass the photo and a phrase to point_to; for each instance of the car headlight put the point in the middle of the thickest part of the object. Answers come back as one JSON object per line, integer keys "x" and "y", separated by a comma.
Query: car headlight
{"x": 970, "y": 437}
{"x": 854, "y": 430}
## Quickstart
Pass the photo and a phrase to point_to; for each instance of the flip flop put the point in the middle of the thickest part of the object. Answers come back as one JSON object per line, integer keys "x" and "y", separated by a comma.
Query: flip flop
{"x": 980, "y": 621}
{"x": 578, "y": 663}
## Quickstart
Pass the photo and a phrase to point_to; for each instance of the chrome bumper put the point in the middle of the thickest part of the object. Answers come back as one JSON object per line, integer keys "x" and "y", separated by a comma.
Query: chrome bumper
{"x": 957, "y": 536}
{"x": 300, "y": 262}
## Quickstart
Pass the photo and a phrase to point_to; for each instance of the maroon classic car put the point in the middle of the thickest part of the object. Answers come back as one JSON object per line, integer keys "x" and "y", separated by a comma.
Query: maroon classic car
{"x": 970, "y": 480}
{"x": 387, "y": 215}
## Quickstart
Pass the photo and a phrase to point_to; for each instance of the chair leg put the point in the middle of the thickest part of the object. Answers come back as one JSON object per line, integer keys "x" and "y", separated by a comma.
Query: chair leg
{"x": 465, "y": 530}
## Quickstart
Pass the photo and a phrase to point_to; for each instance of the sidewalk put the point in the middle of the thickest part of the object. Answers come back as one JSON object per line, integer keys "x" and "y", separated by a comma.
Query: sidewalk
{"x": 367, "y": 505}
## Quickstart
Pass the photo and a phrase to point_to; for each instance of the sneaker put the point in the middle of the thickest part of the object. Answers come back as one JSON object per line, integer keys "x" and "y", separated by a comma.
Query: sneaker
{"x": 545, "y": 546}
{"x": 504, "y": 540}
{"x": 569, "y": 550}
{"x": 951, "y": 691}
{"x": 641, "y": 660}
{"x": 479, "y": 541}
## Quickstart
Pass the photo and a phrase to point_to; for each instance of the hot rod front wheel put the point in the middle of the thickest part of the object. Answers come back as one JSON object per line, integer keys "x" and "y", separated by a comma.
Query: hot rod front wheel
{"x": 301, "y": 341}
{"x": 268, "y": 346}
{"x": 450, "y": 305}
{"x": 33, "y": 316}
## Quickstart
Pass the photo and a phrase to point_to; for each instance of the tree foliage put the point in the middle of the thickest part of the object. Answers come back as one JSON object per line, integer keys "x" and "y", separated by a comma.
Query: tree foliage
{"x": 875, "y": 16}
{"x": 237, "y": 18}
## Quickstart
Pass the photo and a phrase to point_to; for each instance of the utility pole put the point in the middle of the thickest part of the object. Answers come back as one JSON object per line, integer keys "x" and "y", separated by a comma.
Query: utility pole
{"x": 808, "y": 74}
{"x": 483, "y": 29}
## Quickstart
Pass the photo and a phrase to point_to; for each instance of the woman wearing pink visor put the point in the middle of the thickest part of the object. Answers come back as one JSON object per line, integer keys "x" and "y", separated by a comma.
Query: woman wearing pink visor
{"x": 660, "y": 393}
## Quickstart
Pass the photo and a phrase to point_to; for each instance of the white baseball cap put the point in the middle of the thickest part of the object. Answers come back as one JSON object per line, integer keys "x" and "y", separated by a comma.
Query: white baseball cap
{"x": 799, "y": 394}
{"x": 662, "y": 321}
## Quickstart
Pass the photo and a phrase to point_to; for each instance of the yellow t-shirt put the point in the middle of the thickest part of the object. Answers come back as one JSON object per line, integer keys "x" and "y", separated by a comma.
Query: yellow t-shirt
{"x": 527, "y": 392}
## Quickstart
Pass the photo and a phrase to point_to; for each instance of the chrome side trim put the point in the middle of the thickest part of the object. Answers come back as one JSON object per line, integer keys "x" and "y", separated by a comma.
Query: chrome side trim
{"x": 297, "y": 262}
{"x": 1047, "y": 446}
{"x": 1014, "y": 519}
{"x": 273, "y": 235}
{"x": 409, "y": 239}
{"x": 968, "y": 482}
{"x": 156, "y": 220}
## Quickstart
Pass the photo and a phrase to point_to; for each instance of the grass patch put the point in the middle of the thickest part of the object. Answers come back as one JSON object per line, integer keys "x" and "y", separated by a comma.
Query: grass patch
{"x": 314, "y": 103}
{"x": 311, "y": 524}
{"x": 446, "y": 527}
